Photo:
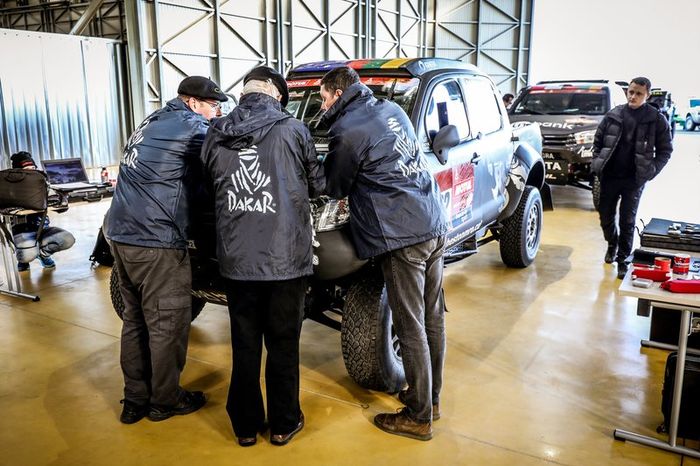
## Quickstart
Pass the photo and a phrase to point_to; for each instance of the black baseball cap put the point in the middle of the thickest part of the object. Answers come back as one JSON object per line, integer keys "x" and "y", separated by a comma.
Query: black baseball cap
{"x": 204, "y": 88}
{"x": 263, "y": 73}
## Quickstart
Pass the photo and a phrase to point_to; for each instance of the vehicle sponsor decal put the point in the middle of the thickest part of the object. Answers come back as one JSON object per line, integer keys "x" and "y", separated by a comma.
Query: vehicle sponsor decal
{"x": 549, "y": 155}
{"x": 248, "y": 182}
{"x": 457, "y": 192}
{"x": 315, "y": 82}
{"x": 463, "y": 235}
{"x": 567, "y": 90}
{"x": 585, "y": 152}
{"x": 556, "y": 165}
{"x": 543, "y": 124}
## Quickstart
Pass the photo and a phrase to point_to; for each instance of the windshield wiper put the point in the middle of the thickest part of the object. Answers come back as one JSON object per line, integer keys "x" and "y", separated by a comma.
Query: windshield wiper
{"x": 527, "y": 111}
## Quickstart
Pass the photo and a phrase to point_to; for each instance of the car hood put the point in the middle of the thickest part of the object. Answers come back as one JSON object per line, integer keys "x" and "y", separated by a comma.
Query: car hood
{"x": 558, "y": 124}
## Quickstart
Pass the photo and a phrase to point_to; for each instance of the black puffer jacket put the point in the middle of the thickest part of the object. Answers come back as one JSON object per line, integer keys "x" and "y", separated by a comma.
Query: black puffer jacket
{"x": 159, "y": 179}
{"x": 374, "y": 157}
{"x": 652, "y": 142}
{"x": 261, "y": 167}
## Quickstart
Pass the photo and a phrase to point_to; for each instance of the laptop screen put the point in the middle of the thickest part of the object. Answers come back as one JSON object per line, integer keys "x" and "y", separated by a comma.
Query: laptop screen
{"x": 65, "y": 171}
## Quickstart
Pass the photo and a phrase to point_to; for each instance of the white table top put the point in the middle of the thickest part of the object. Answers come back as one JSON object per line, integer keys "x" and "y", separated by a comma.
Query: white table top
{"x": 655, "y": 293}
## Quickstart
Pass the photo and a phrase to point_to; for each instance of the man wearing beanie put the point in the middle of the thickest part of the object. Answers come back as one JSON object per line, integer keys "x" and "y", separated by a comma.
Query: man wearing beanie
{"x": 25, "y": 228}
{"x": 260, "y": 164}
{"x": 148, "y": 226}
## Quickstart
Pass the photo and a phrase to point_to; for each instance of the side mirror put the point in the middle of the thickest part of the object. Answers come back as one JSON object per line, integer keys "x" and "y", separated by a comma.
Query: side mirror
{"x": 445, "y": 139}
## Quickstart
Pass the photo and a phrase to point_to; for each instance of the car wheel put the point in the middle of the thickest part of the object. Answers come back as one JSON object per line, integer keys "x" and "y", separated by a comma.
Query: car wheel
{"x": 118, "y": 304}
{"x": 521, "y": 232}
{"x": 371, "y": 349}
{"x": 595, "y": 190}
{"x": 689, "y": 124}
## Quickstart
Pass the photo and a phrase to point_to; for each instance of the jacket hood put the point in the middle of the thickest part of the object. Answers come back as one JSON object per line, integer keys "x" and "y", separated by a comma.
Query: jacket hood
{"x": 357, "y": 90}
{"x": 249, "y": 122}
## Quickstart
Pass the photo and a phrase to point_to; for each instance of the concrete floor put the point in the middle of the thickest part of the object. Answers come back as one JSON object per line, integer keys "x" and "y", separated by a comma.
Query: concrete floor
{"x": 542, "y": 363}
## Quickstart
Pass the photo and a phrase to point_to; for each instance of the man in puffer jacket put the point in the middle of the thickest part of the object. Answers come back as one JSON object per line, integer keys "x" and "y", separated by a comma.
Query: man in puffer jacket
{"x": 148, "y": 226}
{"x": 260, "y": 165}
{"x": 632, "y": 145}
{"x": 395, "y": 215}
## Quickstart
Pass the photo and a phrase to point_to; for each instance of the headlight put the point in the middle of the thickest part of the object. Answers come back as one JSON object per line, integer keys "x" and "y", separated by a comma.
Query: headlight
{"x": 585, "y": 137}
{"x": 329, "y": 214}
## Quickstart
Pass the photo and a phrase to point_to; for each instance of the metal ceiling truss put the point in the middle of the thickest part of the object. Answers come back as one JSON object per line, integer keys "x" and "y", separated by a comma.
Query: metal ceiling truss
{"x": 224, "y": 39}
{"x": 100, "y": 18}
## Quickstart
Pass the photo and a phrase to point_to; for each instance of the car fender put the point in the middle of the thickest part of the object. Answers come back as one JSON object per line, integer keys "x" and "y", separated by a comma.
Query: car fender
{"x": 526, "y": 169}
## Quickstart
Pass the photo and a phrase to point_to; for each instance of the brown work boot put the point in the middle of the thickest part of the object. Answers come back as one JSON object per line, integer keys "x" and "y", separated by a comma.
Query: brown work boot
{"x": 436, "y": 407}
{"x": 401, "y": 424}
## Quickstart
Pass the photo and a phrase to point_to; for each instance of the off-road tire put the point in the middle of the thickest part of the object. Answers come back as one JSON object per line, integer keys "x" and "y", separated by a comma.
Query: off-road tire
{"x": 689, "y": 123}
{"x": 521, "y": 232}
{"x": 370, "y": 351}
{"x": 118, "y": 304}
{"x": 595, "y": 191}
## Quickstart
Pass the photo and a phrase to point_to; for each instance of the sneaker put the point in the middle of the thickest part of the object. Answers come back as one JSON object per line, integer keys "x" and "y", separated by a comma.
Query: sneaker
{"x": 610, "y": 254}
{"x": 22, "y": 266}
{"x": 47, "y": 262}
{"x": 622, "y": 268}
{"x": 189, "y": 403}
{"x": 401, "y": 424}
{"x": 132, "y": 412}
{"x": 436, "y": 407}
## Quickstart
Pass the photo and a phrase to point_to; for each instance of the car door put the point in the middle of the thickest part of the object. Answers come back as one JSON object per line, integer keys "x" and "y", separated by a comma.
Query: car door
{"x": 446, "y": 106}
{"x": 491, "y": 149}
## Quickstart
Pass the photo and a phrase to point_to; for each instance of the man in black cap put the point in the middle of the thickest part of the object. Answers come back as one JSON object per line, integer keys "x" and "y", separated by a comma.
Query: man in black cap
{"x": 260, "y": 164}
{"x": 25, "y": 229}
{"x": 148, "y": 226}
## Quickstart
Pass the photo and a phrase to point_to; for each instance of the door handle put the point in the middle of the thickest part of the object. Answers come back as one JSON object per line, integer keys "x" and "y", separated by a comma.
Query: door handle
{"x": 476, "y": 158}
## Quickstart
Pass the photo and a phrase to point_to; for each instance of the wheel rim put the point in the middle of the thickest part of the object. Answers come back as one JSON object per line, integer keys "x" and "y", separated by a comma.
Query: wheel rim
{"x": 396, "y": 346}
{"x": 532, "y": 237}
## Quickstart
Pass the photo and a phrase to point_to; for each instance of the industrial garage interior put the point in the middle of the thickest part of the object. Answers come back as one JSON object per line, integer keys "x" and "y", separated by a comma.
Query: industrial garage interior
{"x": 543, "y": 363}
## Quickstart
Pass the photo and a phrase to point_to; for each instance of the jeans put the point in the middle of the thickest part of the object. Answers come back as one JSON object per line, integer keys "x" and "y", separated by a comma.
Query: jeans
{"x": 413, "y": 277}
{"x": 627, "y": 193}
{"x": 273, "y": 312}
{"x": 155, "y": 285}
{"x": 53, "y": 239}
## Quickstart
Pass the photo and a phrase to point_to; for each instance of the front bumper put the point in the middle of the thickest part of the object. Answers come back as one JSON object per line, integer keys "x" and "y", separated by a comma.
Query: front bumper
{"x": 567, "y": 164}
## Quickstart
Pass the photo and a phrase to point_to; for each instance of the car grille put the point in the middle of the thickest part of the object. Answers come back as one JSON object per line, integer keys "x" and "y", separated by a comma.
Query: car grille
{"x": 558, "y": 139}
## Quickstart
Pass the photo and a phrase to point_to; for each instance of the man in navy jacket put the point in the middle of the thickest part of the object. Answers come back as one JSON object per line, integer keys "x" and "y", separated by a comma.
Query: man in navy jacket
{"x": 148, "y": 225}
{"x": 395, "y": 215}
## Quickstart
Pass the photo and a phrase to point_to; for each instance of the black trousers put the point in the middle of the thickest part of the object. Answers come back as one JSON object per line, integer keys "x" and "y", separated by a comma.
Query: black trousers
{"x": 273, "y": 312}
{"x": 627, "y": 193}
{"x": 155, "y": 285}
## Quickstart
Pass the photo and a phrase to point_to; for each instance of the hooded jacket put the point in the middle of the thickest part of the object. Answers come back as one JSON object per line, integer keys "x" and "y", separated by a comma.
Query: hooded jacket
{"x": 375, "y": 159}
{"x": 652, "y": 142}
{"x": 260, "y": 165}
{"x": 159, "y": 179}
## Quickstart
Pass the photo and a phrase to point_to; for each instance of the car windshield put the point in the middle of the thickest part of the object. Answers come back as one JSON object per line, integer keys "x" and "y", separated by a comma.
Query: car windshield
{"x": 305, "y": 98}
{"x": 659, "y": 99}
{"x": 563, "y": 100}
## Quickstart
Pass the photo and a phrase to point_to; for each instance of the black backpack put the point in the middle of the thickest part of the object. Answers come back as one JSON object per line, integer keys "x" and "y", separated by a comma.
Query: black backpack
{"x": 102, "y": 254}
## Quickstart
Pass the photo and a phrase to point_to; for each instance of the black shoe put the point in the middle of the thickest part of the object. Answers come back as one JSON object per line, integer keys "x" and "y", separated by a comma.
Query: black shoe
{"x": 610, "y": 254}
{"x": 283, "y": 439}
{"x": 622, "y": 268}
{"x": 189, "y": 403}
{"x": 132, "y": 412}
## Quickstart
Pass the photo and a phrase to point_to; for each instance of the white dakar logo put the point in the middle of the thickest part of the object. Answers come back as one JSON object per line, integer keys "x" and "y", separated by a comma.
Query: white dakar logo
{"x": 131, "y": 154}
{"x": 249, "y": 180}
{"x": 411, "y": 161}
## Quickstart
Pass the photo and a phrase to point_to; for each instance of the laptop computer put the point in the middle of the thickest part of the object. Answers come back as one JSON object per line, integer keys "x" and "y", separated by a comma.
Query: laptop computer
{"x": 67, "y": 174}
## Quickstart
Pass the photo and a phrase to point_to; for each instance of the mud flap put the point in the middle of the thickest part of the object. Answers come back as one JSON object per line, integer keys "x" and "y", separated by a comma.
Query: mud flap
{"x": 547, "y": 202}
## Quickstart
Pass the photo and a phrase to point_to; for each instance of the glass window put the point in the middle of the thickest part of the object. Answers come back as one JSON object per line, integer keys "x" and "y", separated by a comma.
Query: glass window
{"x": 446, "y": 107}
{"x": 482, "y": 105}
